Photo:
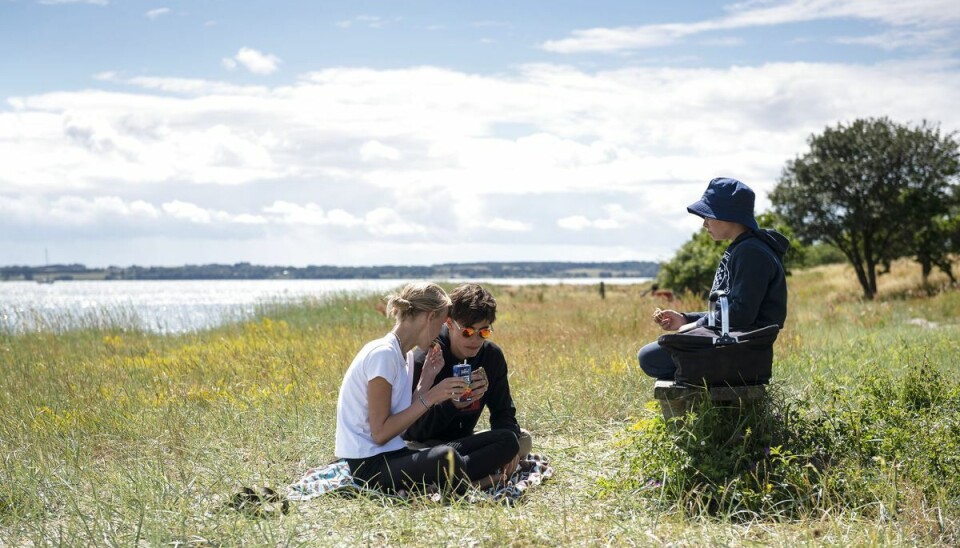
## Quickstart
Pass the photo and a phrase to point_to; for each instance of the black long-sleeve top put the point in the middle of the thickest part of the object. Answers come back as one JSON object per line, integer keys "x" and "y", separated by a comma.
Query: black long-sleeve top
{"x": 444, "y": 422}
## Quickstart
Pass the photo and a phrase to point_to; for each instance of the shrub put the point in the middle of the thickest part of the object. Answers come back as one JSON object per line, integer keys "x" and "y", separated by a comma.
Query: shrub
{"x": 858, "y": 450}
{"x": 822, "y": 253}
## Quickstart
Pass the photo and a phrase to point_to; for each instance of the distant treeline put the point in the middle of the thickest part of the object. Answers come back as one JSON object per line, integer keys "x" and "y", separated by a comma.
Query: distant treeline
{"x": 247, "y": 271}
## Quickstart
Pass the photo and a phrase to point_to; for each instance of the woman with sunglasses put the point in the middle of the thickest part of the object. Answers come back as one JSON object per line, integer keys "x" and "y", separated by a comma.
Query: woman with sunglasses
{"x": 465, "y": 338}
{"x": 377, "y": 403}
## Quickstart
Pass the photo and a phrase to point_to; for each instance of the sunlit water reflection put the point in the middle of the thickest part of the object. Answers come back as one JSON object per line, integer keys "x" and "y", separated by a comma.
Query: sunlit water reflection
{"x": 176, "y": 306}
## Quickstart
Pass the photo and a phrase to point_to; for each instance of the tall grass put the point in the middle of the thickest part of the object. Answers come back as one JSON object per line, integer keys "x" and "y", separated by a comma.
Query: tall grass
{"x": 117, "y": 436}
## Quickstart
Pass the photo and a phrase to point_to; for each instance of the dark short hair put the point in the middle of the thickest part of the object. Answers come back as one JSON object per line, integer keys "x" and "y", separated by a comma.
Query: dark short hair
{"x": 472, "y": 304}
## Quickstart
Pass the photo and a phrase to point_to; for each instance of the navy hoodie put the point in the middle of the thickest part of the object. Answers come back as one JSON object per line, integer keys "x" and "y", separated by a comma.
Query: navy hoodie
{"x": 751, "y": 272}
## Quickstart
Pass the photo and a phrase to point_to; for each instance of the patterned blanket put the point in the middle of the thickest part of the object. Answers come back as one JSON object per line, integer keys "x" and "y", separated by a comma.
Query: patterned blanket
{"x": 335, "y": 477}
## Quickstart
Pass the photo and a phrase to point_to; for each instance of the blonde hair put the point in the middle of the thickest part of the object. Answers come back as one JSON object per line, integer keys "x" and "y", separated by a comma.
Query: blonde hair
{"x": 417, "y": 297}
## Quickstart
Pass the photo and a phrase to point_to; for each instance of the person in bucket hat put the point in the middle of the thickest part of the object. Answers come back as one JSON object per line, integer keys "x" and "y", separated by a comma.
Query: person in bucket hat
{"x": 750, "y": 271}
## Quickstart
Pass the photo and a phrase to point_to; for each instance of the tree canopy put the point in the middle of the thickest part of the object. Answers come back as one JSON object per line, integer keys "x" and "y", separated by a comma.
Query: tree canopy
{"x": 693, "y": 266}
{"x": 876, "y": 190}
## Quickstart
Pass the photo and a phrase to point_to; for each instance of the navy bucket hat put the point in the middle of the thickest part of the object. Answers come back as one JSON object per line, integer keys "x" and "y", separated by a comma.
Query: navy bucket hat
{"x": 726, "y": 200}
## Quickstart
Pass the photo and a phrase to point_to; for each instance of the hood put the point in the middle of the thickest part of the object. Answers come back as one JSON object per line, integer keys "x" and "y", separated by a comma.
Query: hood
{"x": 774, "y": 240}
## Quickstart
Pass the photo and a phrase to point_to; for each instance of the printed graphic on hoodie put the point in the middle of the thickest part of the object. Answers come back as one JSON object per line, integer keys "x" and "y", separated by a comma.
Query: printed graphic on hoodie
{"x": 721, "y": 280}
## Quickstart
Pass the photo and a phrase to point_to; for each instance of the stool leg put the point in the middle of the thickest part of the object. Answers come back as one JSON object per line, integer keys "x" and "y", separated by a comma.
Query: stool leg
{"x": 673, "y": 408}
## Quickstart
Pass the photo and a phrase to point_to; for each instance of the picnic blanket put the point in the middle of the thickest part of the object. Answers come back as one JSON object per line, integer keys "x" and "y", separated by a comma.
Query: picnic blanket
{"x": 335, "y": 478}
{"x": 325, "y": 479}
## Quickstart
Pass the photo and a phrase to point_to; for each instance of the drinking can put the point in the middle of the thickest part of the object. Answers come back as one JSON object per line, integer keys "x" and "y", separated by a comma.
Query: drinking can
{"x": 463, "y": 370}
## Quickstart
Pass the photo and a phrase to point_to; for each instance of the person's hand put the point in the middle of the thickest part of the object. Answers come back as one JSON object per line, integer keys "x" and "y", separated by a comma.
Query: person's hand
{"x": 448, "y": 389}
{"x": 511, "y": 467}
{"x": 478, "y": 387}
{"x": 501, "y": 476}
{"x": 668, "y": 320}
{"x": 431, "y": 365}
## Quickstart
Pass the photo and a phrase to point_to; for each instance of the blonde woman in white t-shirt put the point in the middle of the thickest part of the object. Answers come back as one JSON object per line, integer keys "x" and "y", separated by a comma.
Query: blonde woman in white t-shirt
{"x": 377, "y": 404}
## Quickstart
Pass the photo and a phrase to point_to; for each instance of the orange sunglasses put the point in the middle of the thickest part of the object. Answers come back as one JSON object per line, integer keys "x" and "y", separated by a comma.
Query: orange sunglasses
{"x": 467, "y": 332}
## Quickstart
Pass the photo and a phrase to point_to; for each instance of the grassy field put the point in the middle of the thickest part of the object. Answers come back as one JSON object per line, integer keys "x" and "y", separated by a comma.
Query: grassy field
{"x": 122, "y": 438}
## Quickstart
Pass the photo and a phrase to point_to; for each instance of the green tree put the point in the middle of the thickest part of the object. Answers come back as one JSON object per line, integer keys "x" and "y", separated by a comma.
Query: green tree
{"x": 796, "y": 254}
{"x": 868, "y": 188}
{"x": 932, "y": 246}
{"x": 945, "y": 239}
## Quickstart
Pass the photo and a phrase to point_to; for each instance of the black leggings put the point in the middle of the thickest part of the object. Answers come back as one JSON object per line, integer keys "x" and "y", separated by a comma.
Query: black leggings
{"x": 471, "y": 458}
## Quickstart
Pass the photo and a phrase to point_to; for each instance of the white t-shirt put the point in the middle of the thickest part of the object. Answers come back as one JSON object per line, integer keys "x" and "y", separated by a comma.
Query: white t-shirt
{"x": 379, "y": 358}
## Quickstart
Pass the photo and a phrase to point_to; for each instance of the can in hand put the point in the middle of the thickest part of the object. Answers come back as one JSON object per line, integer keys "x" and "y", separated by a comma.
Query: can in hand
{"x": 463, "y": 370}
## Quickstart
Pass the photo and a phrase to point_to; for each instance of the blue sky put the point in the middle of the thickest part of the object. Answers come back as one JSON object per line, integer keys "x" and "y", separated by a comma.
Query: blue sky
{"x": 152, "y": 132}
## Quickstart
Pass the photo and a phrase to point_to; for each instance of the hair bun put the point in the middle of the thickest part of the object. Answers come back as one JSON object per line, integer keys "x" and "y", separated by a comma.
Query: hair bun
{"x": 416, "y": 297}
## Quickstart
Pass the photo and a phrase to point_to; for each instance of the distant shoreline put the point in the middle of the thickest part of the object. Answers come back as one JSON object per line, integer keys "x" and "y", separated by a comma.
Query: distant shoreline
{"x": 247, "y": 271}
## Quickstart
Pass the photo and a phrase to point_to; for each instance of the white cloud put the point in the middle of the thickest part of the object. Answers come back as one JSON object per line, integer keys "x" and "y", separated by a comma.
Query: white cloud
{"x": 613, "y": 130}
{"x": 724, "y": 42}
{"x": 375, "y": 150}
{"x": 922, "y": 13}
{"x": 617, "y": 218}
{"x": 615, "y": 39}
{"x": 899, "y": 39}
{"x": 506, "y": 225}
{"x": 575, "y": 222}
{"x": 377, "y": 222}
{"x": 78, "y": 210}
{"x": 309, "y": 215}
{"x": 193, "y": 86}
{"x": 74, "y": 210}
{"x": 106, "y": 76}
{"x": 387, "y": 222}
{"x": 419, "y": 156}
{"x": 369, "y": 21}
{"x": 157, "y": 13}
{"x": 253, "y": 60}
{"x": 69, "y": 210}
{"x": 186, "y": 211}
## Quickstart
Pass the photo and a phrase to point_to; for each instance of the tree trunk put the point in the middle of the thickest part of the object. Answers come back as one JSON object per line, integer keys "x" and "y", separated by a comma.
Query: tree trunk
{"x": 868, "y": 288}
{"x": 947, "y": 267}
{"x": 926, "y": 267}
{"x": 857, "y": 263}
{"x": 871, "y": 279}
{"x": 853, "y": 255}
{"x": 871, "y": 260}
